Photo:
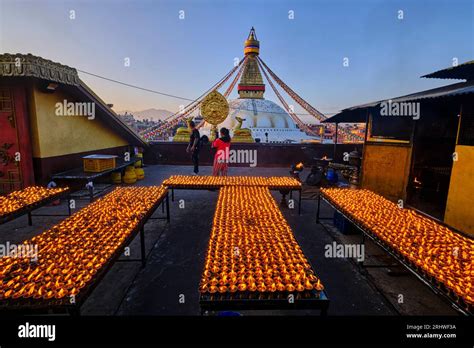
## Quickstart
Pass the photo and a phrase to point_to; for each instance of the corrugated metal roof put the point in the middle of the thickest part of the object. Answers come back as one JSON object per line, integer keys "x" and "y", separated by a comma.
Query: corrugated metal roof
{"x": 445, "y": 91}
{"x": 348, "y": 116}
{"x": 463, "y": 71}
{"x": 356, "y": 114}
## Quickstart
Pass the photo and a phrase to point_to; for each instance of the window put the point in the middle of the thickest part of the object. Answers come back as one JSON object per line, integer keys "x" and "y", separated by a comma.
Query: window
{"x": 5, "y": 100}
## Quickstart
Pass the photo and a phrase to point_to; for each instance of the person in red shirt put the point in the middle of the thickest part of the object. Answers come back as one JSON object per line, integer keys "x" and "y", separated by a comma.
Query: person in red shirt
{"x": 221, "y": 158}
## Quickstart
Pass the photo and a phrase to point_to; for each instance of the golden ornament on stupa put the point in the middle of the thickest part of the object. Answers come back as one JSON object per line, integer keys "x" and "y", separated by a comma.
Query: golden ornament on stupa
{"x": 214, "y": 110}
{"x": 242, "y": 135}
{"x": 184, "y": 133}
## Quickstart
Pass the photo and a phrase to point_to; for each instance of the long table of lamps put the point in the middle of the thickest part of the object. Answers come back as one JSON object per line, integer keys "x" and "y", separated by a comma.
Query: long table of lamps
{"x": 253, "y": 259}
{"x": 75, "y": 254}
{"x": 284, "y": 184}
{"x": 22, "y": 202}
{"x": 440, "y": 257}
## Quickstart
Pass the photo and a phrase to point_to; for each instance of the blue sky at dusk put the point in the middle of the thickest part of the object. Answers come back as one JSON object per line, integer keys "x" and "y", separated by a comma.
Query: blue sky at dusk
{"x": 186, "y": 56}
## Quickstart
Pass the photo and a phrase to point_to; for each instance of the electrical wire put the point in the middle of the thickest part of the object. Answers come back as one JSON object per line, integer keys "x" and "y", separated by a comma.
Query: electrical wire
{"x": 172, "y": 95}
{"x": 134, "y": 86}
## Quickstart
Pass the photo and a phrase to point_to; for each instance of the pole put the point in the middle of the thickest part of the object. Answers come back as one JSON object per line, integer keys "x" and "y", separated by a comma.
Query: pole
{"x": 142, "y": 245}
{"x": 167, "y": 207}
{"x": 366, "y": 135}
{"x": 319, "y": 207}
{"x": 91, "y": 193}
{"x": 299, "y": 202}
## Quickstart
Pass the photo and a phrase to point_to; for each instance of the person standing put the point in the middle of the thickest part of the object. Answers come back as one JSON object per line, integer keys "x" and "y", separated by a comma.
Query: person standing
{"x": 221, "y": 158}
{"x": 193, "y": 147}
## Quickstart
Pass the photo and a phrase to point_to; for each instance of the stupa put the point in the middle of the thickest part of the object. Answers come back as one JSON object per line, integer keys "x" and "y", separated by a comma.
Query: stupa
{"x": 251, "y": 116}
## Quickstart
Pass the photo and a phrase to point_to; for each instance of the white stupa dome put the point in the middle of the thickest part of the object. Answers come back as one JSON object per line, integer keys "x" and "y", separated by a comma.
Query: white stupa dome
{"x": 262, "y": 116}
{"x": 258, "y": 113}
{"x": 267, "y": 121}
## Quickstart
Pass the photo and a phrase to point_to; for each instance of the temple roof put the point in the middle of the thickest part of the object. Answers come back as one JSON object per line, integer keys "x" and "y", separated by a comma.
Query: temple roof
{"x": 30, "y": 66}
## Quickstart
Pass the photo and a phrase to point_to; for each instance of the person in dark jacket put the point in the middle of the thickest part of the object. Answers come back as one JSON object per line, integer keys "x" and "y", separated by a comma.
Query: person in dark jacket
{"x": 193, "y": 147}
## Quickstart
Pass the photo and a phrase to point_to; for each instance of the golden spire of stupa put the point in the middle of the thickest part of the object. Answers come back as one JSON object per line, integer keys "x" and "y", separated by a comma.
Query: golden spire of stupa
{"x": 251, "y": 84}
{"x": 252, "y": 45}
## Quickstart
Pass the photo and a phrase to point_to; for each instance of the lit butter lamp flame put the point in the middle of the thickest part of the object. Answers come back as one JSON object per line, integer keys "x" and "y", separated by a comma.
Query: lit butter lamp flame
{"x": 65, "y": 264}
{"x": 252, "y": 247}
{"x": 22, "y": 198}
{"x": 213, "y": 181}
{"x": 438, "y": 251}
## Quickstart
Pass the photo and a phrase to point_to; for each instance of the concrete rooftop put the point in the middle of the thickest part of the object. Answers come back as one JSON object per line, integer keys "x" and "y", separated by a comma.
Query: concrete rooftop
{"x": 176, "y": 254}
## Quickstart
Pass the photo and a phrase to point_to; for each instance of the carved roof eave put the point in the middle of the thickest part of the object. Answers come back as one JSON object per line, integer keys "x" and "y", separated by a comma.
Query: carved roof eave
{"x": 28, "y": 65}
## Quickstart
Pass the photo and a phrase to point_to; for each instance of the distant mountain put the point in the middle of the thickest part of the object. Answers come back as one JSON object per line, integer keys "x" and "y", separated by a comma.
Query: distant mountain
{"x": 151, "y": 114}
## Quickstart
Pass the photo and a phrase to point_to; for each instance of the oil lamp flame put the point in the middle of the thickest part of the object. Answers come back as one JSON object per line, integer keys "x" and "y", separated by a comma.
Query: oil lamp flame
{"x": 64, "y": 266}
{"x": 252, "y": 245}
{"x": 425, "y": 243}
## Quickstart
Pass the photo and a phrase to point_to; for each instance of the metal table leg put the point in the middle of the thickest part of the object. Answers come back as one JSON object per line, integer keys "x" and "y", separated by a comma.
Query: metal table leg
{"x": 361, "y": 263}
{"x": 142, "y": 246}
{"x": 299, "y": 202}
{"x": 91, "y": 193}
{"x": 319, "y": 208}
{"x": 167, "y": 207}
{"x": 69, "y": 205}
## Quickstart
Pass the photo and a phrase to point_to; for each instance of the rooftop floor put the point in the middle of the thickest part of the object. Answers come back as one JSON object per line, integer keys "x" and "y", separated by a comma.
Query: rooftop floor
{"x": 176, "y": 252}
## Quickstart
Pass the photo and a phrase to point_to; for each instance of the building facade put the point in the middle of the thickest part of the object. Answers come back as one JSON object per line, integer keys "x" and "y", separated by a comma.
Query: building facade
{"x": 424, "y": 158}
{"x": 49, "y": 120}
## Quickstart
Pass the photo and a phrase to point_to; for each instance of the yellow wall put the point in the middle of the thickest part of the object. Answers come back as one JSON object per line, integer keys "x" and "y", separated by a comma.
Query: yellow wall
{"x": 385, "y": 170}
{"x": 61, "y": 135}
{"x": 460, "y": 205}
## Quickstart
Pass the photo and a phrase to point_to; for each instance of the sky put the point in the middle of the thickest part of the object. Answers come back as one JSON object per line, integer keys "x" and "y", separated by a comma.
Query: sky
{"x": 186, "y": 56}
